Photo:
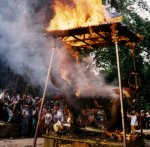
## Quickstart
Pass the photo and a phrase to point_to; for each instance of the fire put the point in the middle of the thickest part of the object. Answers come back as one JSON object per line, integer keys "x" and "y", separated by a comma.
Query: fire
{"x": 77, "y": 13}
{"x": 65, "y": 75}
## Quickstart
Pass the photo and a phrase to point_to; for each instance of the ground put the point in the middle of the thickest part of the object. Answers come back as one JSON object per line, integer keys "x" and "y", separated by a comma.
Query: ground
{"x": 28, "y": 142}
{"x": 147, "y": 136}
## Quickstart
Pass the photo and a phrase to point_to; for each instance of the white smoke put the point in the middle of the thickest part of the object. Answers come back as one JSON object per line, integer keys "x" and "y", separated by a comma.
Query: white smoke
{"x": 21, "y": 42}
{"x": 80, "y": 77}
{"x": 27, "y": 51}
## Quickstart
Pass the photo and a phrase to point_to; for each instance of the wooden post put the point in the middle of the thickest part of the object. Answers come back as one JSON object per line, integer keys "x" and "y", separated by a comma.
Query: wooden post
{"x": 115, "y": 40}
{"x": 43, "y": 98}
{"x": 121, "y": 97}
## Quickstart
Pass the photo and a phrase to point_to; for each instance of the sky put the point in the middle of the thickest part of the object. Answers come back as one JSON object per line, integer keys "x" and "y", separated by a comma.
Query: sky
{"x": 147, "y": 14}
{"x": 144, "y": 14}
{"x": 148, "y": 2}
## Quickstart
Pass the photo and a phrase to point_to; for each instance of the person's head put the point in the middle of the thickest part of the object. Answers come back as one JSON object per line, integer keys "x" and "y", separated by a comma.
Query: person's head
{"x": 56, "y": 106}
{"x": 48, "y": 111}
{"x": 26, "y": 106}
{"x": 142, "y": 111}
{"x": 147, "y": 113}
{"x": 28, "y": 96}
{"x": 136, "y": 113}
{"x": 24, "y": 96}
{"x": 133, "y": 112}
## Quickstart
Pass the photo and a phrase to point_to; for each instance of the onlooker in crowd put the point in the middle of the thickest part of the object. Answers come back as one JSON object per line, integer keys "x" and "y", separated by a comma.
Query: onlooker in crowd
{"x": 147, "y": 118}
{"x": 48, "y": 120}
{"x": 25, "y": 121}
{"x": 142, "y": 119}
{"x": 134, "y": 121}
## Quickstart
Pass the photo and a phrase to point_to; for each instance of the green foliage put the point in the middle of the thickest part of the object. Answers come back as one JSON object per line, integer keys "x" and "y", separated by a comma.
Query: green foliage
{"x": 106, "y": 57}
{"x": 140, "y": 26}
{"x": 135, "y": 22}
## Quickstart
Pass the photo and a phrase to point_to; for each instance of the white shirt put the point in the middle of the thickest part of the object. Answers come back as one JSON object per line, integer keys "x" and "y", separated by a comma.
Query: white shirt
{"x": 134, "y": 121}
{"x": 48, "y": 118}
{"x": 59, "y": 116}
{"x": 2, "y": 95}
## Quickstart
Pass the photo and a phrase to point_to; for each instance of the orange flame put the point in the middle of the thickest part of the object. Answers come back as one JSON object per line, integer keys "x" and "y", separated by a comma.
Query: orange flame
{"x": 77, "y": 13}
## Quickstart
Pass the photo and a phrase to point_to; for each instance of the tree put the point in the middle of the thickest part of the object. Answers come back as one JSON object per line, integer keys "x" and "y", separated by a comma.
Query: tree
{"x": 136, "y": 22}
{"x": 140, "y": 25}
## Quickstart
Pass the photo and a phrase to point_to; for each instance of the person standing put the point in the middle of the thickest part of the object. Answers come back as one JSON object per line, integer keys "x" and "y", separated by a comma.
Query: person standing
{"x": 25, "y": 121}
{"x": 147, "y": 119}
{"x": 48, "y": 119}
{"x": 134, "y": 121}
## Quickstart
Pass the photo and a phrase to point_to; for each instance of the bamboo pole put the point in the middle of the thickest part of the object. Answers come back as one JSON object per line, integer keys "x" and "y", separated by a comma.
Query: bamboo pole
{"x": 121, "y": 97}
{"x": 43, "y": 97}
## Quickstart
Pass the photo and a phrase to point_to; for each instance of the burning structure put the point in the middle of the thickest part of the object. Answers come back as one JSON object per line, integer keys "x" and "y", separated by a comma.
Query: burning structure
{"x": 81, "y": 25}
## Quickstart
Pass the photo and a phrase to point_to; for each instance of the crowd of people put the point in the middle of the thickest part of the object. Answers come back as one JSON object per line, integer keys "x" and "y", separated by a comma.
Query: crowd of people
{"x": 57, "y": 115}
{"x": 23, "y": 110}
{"x": 138, "y": 120}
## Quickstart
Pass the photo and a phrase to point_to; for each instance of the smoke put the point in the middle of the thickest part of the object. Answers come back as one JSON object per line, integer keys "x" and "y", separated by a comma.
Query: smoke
{"x": 27, "y": 51}
{"x": 22, "y": 44}
{"x": 79, "y": 78}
